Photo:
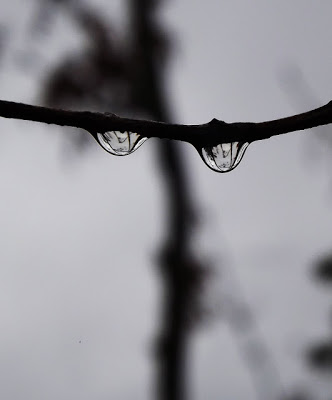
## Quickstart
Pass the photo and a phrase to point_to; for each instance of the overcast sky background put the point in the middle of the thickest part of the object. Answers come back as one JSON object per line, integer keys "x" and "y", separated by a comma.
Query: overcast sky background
{"x": 79, "y": 291}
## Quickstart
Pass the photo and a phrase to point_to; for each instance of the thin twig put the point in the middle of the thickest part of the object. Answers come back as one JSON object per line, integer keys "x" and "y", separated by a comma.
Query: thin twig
{"x": 211, "y": 133}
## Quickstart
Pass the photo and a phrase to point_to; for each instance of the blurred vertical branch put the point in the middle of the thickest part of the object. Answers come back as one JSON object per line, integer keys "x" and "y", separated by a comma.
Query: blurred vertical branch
{"x": 319, "y": 354}
{"x": 181, "y": 274}
{"x": 253, "y": 349}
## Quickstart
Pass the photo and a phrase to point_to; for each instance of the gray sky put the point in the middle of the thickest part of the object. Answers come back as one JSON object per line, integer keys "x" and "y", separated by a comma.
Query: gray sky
{"x": 78, "y": 236}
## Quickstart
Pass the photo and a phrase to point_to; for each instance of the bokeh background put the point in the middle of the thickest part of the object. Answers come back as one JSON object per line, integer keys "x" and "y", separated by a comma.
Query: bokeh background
{"x": 81, "y": 230}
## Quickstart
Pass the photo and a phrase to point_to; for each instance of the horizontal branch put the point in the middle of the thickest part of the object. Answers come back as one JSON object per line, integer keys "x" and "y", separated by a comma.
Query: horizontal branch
{"x": 211, "y": 133}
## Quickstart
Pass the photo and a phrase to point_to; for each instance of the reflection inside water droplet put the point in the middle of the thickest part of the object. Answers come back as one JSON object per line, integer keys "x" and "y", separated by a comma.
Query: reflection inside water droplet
{"x": 224, "y": 157}
{"x": 120, "y": 143}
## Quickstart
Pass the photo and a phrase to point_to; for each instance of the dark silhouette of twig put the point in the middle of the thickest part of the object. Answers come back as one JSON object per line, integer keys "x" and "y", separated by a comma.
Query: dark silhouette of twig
{"x": 211, "y": 133}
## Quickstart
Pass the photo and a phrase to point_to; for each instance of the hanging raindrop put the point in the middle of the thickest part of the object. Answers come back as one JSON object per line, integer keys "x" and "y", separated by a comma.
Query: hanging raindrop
{"x": 223, "y": 157}
{"x": 120, "y": 143}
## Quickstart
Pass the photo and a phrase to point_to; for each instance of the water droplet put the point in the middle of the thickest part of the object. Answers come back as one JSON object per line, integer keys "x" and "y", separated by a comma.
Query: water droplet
{"x": 120, "y": 143}
{"x": 224, "y": 157}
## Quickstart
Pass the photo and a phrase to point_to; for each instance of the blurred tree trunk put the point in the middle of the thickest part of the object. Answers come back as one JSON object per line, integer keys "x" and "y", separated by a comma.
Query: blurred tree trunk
{"x": 180, "y": 273}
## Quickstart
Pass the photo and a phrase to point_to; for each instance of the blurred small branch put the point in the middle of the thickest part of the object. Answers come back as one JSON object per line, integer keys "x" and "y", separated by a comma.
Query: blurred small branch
{"x": 323, "y": 269}
{"x": 319, "y": 356}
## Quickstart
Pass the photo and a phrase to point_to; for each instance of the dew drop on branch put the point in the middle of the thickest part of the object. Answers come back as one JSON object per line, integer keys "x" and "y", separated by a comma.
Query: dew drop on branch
{"x": 120, "y": 143}
{"x": 223, "y": 157}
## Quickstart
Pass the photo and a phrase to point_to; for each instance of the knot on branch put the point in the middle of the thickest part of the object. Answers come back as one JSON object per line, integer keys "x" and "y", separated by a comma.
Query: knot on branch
{"x": 217, "y": 123}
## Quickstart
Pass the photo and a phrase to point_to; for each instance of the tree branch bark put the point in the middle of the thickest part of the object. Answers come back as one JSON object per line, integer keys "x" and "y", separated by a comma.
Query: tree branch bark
{"x": 211, "y": 133}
